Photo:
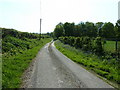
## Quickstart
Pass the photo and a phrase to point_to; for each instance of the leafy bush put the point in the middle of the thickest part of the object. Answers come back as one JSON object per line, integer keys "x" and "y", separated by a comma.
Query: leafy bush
{"x": 98, "y": 45}
{"x": 77, "y": 43}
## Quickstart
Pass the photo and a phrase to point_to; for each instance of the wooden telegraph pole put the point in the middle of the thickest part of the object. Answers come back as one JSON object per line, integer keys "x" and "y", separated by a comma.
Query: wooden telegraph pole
{"x": 40, "y": 28}
{"x": 40, "y": 20}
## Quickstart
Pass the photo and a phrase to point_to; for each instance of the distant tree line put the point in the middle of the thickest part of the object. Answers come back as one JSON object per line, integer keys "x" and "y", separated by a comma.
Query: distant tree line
{"x": 88, "y": 36}
{"x": 106, "y": 30}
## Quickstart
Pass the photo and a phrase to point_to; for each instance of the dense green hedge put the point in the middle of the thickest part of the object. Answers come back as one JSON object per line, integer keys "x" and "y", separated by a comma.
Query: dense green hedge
{"x": 85, "y": 43}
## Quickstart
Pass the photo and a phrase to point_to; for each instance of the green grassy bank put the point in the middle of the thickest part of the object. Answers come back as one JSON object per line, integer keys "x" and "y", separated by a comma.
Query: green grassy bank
{"x": 103, "y": 67}
{"x": 18, "y": 50}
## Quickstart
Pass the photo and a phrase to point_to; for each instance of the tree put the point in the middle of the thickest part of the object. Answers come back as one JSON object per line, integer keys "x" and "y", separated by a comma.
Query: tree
{"x": 117, "y": 29}
{"x": 91, "y": 29}
{"x": 69, "y": 28}
{"x": 51, "y": 34}
{"x": 99, "y": 26}
{"x": 82, "y": 29}
{"x": 59, "y": 30}
{"x": 108, "y": 30}
{"x": 77, "y": 31}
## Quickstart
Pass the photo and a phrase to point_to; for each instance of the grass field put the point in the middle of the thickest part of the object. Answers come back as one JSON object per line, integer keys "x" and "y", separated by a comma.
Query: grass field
{"x": 105, "y": 68}
{"x": 110, "y": 46}
{"x": 14, "y": 65}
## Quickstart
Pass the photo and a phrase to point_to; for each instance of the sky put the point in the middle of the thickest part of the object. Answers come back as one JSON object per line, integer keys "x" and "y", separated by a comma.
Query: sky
{"x": 24, "y": 15}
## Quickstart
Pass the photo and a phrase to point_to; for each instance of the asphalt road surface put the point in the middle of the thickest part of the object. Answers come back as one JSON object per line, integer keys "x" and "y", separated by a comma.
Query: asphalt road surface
{"x": 54, "y": 70}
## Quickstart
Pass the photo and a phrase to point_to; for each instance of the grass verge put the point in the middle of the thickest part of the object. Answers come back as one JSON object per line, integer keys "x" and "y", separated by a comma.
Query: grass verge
{"x": 104, "y": 68}
{"x": 110, "y": 46}
{"x": 14, "y": 66}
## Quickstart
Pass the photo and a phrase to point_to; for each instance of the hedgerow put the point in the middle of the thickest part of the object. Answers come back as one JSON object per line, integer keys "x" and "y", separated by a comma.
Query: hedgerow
{"x": 85, "y": 43}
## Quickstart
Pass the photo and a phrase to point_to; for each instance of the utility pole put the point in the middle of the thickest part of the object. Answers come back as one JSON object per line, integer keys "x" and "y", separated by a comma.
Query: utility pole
{"x": 40, "y": 28}
{"x": 40, "y": 20}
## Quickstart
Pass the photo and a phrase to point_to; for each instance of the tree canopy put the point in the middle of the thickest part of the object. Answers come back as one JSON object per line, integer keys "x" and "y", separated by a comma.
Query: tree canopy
{"x": 106, "y": 30}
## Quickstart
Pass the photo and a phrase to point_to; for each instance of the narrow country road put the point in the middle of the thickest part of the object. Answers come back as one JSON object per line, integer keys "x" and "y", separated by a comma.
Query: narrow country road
{"x": 54, "y": 70}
